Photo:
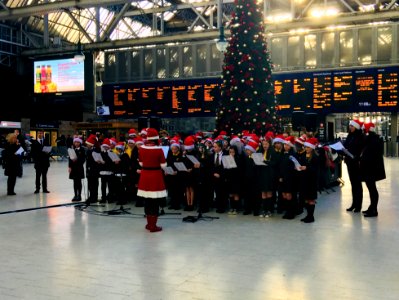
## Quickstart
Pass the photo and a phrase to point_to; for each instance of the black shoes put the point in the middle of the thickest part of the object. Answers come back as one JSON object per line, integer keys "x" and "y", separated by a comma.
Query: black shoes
{"x": 371, "y": 214}
{"x": 46, "y": 191}
{"x": 308, "y": 219}
{"x": 36, "y": 192}
{"x": 11, "y": 194}
{"x": 354, "y": 209}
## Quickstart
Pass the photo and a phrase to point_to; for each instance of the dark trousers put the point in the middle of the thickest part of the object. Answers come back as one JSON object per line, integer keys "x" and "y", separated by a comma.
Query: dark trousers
{"x": 106, "y": 181}
{"x": 92, "y": 186}
{"x": 356, "y": 183}
{"x": 41, "y": 173}
{"x": 371, "y": 186}
{"x": 221, "y": 196}
{"x": 11, "y": 181}
{"x": 77, "y": 186}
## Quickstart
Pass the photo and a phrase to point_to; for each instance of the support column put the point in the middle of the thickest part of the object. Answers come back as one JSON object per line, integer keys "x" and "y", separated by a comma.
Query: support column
{"x": 394, "y": 133}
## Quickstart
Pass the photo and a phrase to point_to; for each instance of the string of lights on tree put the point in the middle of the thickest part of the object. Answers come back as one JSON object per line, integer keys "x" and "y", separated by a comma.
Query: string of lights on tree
{"x": 247, "y": 94}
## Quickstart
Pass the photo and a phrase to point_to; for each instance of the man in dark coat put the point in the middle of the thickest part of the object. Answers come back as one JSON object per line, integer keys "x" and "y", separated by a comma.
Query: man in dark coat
{"x": 41, "y": 160}
{"x": 354, "y": 143}
{"x": 372, "y": 166}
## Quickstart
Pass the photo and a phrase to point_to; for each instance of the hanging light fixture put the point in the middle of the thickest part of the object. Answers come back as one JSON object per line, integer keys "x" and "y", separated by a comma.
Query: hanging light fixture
{"x": 221, "y": 43}
{"x": 79, "y": 56}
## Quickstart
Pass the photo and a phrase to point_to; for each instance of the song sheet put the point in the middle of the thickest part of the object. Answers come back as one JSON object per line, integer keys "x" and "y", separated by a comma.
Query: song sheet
{"x": 19, "y": 151}
{"x": 97, "y": 157}
{"x": 193, "y": 159}
{"x": 228, "y": 162}
{"x": 180, "y": 166}
{"x": 72, "y": 154}
{"x": 47, "y": 149}
{"x": 169, "y": 170}
{"x": 258, "y": 159}
{"x": 296, "y": 162}
{"x": 113, "y": 156}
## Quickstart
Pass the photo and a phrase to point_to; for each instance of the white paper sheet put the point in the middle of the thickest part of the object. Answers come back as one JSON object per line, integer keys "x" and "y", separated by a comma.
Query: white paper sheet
{"x": 228, "y": 162}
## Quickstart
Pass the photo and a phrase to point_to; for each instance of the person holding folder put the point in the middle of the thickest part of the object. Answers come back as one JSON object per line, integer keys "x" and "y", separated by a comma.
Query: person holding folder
{"x": 41, "y": 159}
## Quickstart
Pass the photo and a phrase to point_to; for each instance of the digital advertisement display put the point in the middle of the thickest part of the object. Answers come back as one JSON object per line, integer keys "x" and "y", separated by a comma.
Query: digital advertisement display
{"x": 324, "y": 92}
{"x": 58, "y": 76}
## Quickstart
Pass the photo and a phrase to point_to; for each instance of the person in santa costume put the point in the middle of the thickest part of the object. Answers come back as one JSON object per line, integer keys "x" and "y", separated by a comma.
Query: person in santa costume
{"x": 151, "y": 184}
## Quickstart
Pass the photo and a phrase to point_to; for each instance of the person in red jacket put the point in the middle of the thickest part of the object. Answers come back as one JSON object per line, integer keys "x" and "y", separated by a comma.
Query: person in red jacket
{"x": 151, "y": 184}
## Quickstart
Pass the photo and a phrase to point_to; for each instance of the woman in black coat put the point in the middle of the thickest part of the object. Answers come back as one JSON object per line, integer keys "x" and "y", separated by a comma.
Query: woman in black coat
{"x": 372, "y": 167}
{"x": 12, "y": 162}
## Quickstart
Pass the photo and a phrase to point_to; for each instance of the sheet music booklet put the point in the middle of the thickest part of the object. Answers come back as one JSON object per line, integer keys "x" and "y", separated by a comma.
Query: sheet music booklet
{"x": 258, "y": 159}
{"x": 180, "y": 166}
{"x": 228, "y": 162}
{"x": 97, "y": 157}
{"x": 72, "y": 154}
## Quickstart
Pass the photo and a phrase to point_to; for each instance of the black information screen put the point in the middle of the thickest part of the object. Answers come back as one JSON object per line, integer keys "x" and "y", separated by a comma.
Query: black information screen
{"x": 352, "y": 90}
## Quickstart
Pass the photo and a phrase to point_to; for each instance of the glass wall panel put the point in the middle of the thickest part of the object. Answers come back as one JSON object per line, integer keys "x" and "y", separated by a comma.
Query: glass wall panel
{"x": 276, "y": 47}
{"x": 160, "y": 68}
{"x": 327, "y": 49}
{"x": 345, "y": 48}
{"x": 135, "y": 64}
{"x": 123, "y": 65}
{"x": 310, "y": 51}
{"x": 216, "y": 59}
{"x": 110, "y": 67}
{"x": 384, "y": 44}
{"x": 293, "y": 52}
{"x": 174, "y": 62}
{"x": 201, "y": 56}
{"x": 364, "y": 46}
{"x": 148, "y": 63}
{"x": 187, "y": 61}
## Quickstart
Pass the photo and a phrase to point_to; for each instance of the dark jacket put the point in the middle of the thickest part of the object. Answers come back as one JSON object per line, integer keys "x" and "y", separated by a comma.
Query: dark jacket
{"x": 41, "y": 159}
{"x": 371, "y": 159}
{"x": 12, "y": 162}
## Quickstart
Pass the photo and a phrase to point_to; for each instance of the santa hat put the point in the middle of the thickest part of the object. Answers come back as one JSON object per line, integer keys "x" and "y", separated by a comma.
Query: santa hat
{"x": 279, "y": 139}
{"x": 139, "y": 140}
{"x": 106, "y": 143}
{"x": 254, "y": 138}
{"x": 131, "y": 141}
{"x": 245, "y": 133}
{"x": 269, "y": 136}
{"x": 132, "y": 132}
{"x": 290, "y": 141}
{"x": 91, "y": 140}
{"x": 300, "y": 140}
{"x": 235, "y": 139}
{"x": 367, "y": 127}
{"x": 189, "y": 143}
{"x": 113, "y": 141}
{"x": 311, "y": 143}
{"x": 223, "y": 133}
{"x": 120, "y": 145}
{"x": 252, "y": 146}
{"x": 209, "y": 140}
{"x": 152, "y": 134}
{"x": 175, "y": 142}
{"x": 356, "y": 123}
{"x": 143, "y": 132}
{"x": 78, "y": 139}
{"x": 199, "y": 135}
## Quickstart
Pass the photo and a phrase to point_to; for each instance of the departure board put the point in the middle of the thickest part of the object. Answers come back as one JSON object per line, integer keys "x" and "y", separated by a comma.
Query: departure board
{"x": 324, "y": 92}
{"x": 163, "y": 98}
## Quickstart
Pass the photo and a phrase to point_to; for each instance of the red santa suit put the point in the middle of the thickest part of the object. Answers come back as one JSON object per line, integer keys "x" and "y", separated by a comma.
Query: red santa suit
{"x": 151, "y": 183}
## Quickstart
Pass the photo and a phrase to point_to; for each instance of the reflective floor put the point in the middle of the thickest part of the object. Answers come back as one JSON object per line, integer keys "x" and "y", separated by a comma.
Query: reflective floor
{"x": 61, "y": 252}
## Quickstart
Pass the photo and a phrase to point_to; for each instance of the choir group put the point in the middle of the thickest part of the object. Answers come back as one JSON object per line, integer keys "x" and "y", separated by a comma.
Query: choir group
{"x": 247, "y": 174}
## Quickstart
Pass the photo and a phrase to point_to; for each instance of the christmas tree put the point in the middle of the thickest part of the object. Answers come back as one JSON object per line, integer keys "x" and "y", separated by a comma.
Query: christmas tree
{"x": 247, "y": 93}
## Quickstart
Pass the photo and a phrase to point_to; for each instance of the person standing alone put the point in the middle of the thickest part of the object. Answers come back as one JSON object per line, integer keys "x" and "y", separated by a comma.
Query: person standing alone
{"x": 41, "y": 161}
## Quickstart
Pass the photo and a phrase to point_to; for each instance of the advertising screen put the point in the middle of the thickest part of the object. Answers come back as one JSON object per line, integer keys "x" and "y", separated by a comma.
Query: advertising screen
{"x": 58, "y": 76}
